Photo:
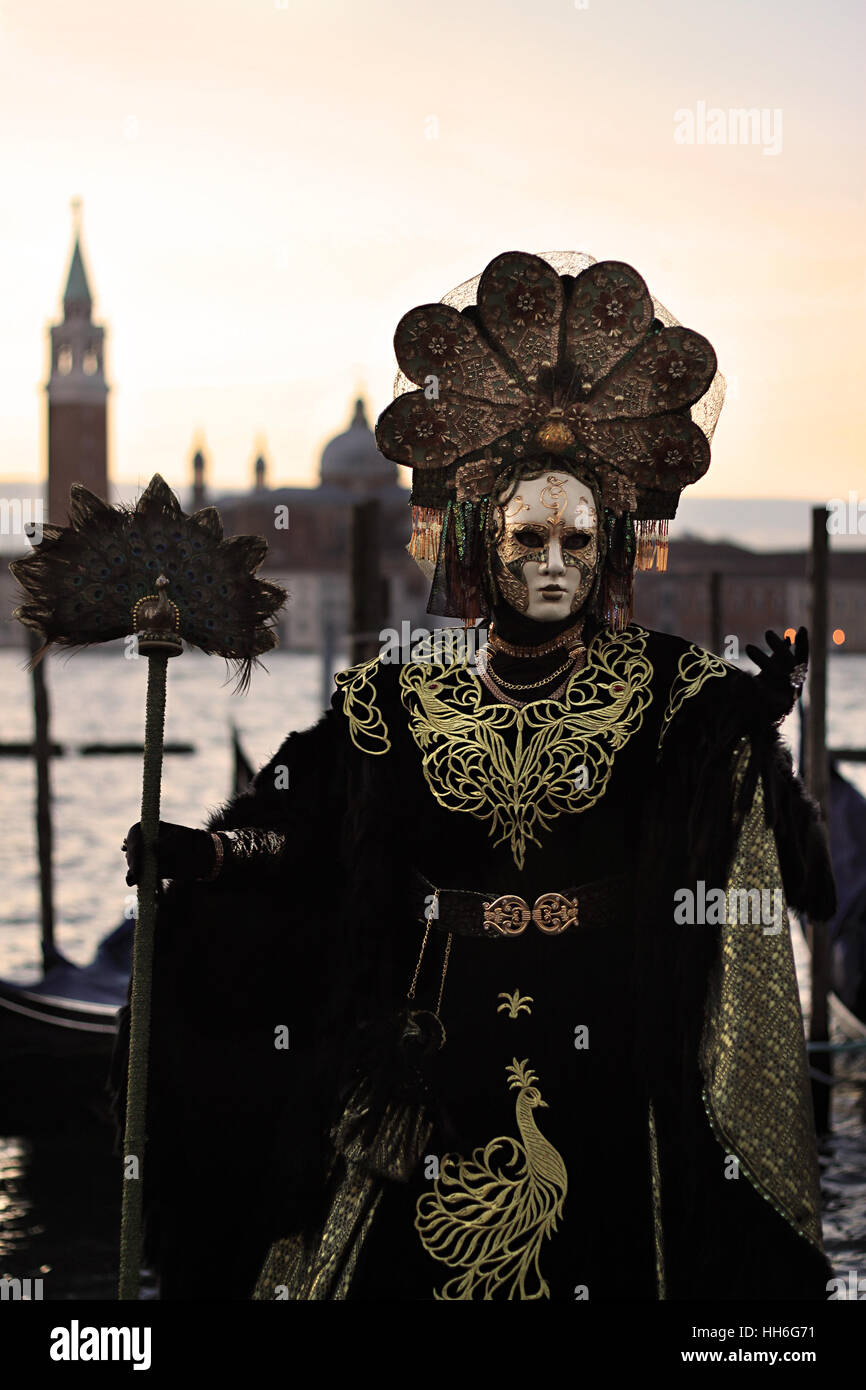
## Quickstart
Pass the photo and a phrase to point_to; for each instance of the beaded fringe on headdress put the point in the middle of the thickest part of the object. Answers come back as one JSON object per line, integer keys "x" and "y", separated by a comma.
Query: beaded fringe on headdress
{"x": 426, "y": 533}
{"x": 616, "y": 593}
{"x": 652, "y": 544}
{"x": 458, "y": 587}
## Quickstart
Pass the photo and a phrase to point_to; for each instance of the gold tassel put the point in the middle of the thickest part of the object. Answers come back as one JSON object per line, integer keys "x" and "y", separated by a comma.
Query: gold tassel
{"x": 426, "y": 533}
{"x": 652, "y": 544}
{"x": 662, "y": 546}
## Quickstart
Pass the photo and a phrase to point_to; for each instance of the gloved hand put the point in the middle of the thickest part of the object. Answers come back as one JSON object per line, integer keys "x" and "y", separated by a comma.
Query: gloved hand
{"x": 782, "y": 672}
{"x": 180, "y": 852}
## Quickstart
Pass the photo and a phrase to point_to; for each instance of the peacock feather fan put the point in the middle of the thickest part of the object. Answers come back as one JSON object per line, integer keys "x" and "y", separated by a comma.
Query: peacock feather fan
{"x": 82, "y": 581}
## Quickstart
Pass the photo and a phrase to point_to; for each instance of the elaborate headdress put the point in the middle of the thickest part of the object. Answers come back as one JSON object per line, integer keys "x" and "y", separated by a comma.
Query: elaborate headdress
{"x": 558, "y": 357}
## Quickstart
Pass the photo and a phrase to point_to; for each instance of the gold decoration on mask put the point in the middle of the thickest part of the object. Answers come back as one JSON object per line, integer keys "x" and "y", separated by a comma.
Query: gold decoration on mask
{"x": 489, "y": 1216}
{"x": 517, "y": 769}
{"x": 694, "y": 669}
{"x": 367, "y": 729}
{"x": 753, "y": 1055}
{"x": 554, "y": 497}
{"x": 512, "y": 554}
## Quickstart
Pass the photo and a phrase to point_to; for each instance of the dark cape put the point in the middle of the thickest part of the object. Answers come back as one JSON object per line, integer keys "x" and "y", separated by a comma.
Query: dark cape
{"x": 695, "y": 1023}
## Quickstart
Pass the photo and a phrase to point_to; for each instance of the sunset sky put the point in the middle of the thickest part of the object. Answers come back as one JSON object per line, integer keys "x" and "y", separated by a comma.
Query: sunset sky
{"x": 267, "y": 187}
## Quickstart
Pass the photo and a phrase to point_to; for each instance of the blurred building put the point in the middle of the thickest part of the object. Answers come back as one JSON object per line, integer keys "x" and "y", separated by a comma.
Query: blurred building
{"x": 77, "y": 396}
{"x": 756, "y": 591}
{"x": 308, "y": 530}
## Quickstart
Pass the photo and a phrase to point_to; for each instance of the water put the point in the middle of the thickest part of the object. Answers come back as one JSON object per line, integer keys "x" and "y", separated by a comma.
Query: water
{"x": 99, "y": 696}
{"x": 59, "y": 1208}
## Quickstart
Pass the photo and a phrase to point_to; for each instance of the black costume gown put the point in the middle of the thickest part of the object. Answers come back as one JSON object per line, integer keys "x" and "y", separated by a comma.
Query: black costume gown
{"x": 620, "y": 1109}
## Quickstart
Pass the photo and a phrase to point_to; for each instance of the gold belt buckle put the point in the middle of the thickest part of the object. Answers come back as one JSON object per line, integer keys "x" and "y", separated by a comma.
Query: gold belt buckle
{"x": 554, "y": 913}
{"x": 510, "y": 915}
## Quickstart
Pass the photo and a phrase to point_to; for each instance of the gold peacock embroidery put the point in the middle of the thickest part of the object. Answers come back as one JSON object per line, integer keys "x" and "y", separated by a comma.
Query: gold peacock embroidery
{"x": 488, "y": 1216}
{"x": 518, "y": 769}
{"x": 367, "y": 729}
{"x": 694, "y": 669}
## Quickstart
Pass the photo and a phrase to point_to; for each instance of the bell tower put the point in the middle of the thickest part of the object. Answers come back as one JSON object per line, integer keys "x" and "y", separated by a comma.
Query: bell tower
{"x": 77, "y": 393}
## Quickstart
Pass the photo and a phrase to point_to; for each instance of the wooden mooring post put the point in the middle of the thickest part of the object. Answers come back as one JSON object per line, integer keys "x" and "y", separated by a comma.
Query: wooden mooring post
{"x": 44, "y": 832}
{"x": 369, "y": 588}
{"x": 716, "y": 633}
{"x": 818, "y": 780}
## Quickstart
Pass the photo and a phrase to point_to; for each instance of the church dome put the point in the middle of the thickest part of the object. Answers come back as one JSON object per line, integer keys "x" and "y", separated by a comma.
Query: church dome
{"x": 352, "y": 460}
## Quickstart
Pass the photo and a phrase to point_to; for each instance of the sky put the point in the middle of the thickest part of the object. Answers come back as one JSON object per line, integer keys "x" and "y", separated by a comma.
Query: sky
{"x": 268, "y": 185}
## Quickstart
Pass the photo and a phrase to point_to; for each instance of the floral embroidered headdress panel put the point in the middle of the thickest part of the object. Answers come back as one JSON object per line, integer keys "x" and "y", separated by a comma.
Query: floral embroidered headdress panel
{"x": 552, "y": 358}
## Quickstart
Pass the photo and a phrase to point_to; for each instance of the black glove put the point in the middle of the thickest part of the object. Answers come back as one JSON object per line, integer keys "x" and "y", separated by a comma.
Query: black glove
{"x": 180, "y": 852}
{"x": 783, "y": 672}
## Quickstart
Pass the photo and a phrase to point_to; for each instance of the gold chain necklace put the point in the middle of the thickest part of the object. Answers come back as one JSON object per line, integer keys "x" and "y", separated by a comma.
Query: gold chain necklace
{"x": 534, "y": 685}
{"x": 489, "y": 680}
{"x": 486, "y": 679}
{"x": 498, "y": 644}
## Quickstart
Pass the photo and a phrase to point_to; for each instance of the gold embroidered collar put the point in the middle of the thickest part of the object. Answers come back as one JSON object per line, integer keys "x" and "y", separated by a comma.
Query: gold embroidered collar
{"x": 518, "y": 769}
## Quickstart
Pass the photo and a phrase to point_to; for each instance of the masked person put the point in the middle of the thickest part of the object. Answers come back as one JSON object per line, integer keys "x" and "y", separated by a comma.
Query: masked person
{"x": 484, "y": 988}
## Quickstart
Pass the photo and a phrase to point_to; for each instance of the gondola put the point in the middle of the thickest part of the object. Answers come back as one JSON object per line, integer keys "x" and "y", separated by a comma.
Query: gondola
{"x": 848, "y": 928}
{"x": 56, "y": 1036}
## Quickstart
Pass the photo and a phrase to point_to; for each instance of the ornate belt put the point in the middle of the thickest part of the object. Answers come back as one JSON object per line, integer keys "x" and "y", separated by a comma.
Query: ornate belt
{"x": 507, "y": 914}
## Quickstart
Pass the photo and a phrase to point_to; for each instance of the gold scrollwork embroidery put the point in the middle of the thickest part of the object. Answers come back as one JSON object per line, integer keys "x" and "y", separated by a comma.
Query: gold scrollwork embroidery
{"x": 367, "y": 729}
{"x": 694, "y": 669}
{"x": 488, "y": 1216}
{"x": 519, "y": 769}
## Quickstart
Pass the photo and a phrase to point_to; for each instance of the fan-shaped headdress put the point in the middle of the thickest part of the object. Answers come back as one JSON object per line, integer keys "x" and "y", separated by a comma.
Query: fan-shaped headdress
{"x": 555, "y": 357}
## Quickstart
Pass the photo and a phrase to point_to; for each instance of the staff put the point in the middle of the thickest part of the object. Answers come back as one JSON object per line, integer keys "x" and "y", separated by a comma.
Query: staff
{"x": 108, "y": 574}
